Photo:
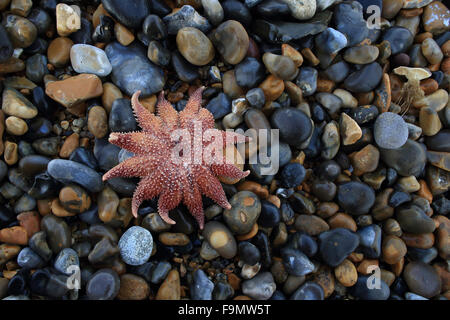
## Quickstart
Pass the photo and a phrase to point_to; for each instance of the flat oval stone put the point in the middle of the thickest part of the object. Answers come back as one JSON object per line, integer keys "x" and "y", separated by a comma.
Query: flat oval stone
{"x": 220, "y": 238}
{"x": 195, "y": 46}
{"x": 244, "y": 212}
{"x": 361, "y": 54}
{"x": 260, "y": 287}
{"x": 309, "y": 291}
{"x": 355, "y": 197}
{"x": 103, "y": 285}
{"x": 408, "y": 160}
{"x": 231, "y": 40}
{"x": 422, "y": 279}
{"x": 399, "y": 38}
{"x": 364, "y": 80}
{"x": 89, "y": 59}
{"x": 67, "y": 171}
{"x": 294, "y": 125}
{"x": 57, "y": 231}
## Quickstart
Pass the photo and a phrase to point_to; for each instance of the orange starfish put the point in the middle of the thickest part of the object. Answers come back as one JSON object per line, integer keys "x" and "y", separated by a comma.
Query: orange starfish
{"x": 159, "y": 171}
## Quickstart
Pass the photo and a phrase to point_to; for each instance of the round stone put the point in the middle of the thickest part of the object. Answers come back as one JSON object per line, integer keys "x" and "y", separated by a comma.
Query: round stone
{"x": 89, "y": 59}
{"x": 390, "y": 131}
{"x": 244, "y": 212}
{"x": 195, "y": 46}
{"x": 103, "y": 285}
{"x": 422, "y": 279}
{"x": 231, "y": 40}
{"x": 136, "y": 245}
{"x": 355, "y": 197}
{"x": 294, "y": 125}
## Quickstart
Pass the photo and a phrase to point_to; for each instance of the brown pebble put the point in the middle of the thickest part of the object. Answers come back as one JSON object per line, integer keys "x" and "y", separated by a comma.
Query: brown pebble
{"x": 367, "y": 266}
{"x": 342, "y": 220}
{"x": 97, "y": 122}
{"x": 346, "y": 273}
{"x": 14, "y": 235}
{"x": 170, "y": 288}
{"x": 288, "y": 51}
{"x": 393, "y": 249}
{"x": 312, "y": 225}
{"x": 272, "y": 87}
{"x": 69, "y": 145}
{"x": 123, "y": 35}
{"x": 421, "y": 241}
{"x": 133, "y": 287}
{"x": 58, "y": 51}
{"x": 173, "y": 239}
{"x": 31, "y": 221}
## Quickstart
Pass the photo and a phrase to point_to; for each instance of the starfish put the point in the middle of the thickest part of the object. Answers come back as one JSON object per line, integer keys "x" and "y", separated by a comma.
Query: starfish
{"x": 174, "y": 181}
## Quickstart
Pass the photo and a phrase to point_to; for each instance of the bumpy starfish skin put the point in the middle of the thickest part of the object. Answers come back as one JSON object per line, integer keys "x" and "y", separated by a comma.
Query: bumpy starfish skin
{"x": 160, "y": 176}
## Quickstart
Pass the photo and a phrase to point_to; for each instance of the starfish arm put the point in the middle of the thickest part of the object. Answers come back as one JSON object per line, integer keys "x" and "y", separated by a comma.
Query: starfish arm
{"x": 138, "y": 142}
{"x": 168, "y": 200}
{"x": 147, "y": 120}
{"x": 192, "y": 198}
{"x": 194, "y": 102}
{"x": 166, "y": 112}
{"x": 148, "y": 188}
{"x": 228, "y": 170}
{"x": 210, "y": 186}
{"x": 133, "y": 167}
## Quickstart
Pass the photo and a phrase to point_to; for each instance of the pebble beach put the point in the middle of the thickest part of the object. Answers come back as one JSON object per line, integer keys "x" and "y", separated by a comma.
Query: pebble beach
{"x": 357, "y": 91}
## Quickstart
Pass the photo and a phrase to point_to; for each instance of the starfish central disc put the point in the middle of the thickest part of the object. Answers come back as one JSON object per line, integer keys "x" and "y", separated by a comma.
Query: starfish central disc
{"x": 153, "y": 161}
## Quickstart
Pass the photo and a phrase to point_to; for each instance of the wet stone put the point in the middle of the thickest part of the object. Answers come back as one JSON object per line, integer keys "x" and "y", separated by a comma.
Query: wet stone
{"x": 231, "y": 40}
{"x": 364, "y": 80}
{"x": 307, "y": 80}
{"x": 399, "y": 38}
{"x": 335, "y": 245}
{"x": 308, "y": 291}
{"x": 201, "y": 287}
{"x": 57, "y": 231}
{"x": 186, "y": 17}
{"x": 129, "y": 15}
{"x": 422, "y": 279}
{"x": 407, "y": 160}
{"x": 260, "y": 287}
{"x": 132, "y": 71}
{"x": 244, "y": 212}
{"x": 294, "y": 125}
{"x": 357, "y": 30}
{"x": 121, "y": 116}
{"x": 103, "y": 285}
{"x": 67, "y": 171}
{"x": 89, "y": 59}
{"x": 249, "y": 72}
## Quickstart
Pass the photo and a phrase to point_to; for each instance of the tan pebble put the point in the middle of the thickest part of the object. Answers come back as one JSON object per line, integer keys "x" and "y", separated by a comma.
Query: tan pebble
{"x": 367, "y": 266}
{"x": 342, "y": 220}
{"x": 173, "y": 239}
{"x": 288, "y": 51}
{"x": 16, "y": 126}
{"x": 272, "y": 87}
{"x": 365, "y": 160}
{"x": 8, "y": 252}
{"x": 124, "y": 36}
{"x": 108, "y": 202}
{"x": 393, "y": 249}
{"x": 14, "y": 235}
{"x": 69, "y": 145}
{"x": 11, "y": 154}
{"x": 67, "y": 19}
{"x": 97, "y": 122}
{"x": 170, "y": 288}
{"x": 346, "y": 273}
{"x": 133, "y": 287}
{"x": 350, "y": 130}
